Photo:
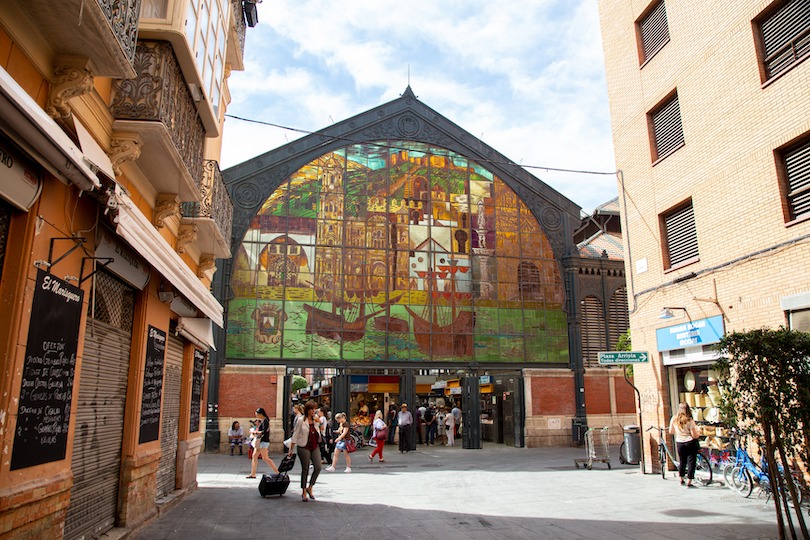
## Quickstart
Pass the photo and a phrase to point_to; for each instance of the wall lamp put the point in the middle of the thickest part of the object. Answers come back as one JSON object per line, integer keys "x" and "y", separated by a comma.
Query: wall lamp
{"x": 666, "y": 313}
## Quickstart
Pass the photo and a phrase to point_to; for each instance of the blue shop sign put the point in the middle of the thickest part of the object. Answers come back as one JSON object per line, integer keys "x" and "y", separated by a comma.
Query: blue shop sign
{"x": 691, "y": 334}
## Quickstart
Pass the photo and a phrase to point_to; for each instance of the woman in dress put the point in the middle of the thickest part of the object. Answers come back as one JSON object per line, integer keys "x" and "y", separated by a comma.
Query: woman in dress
{"x": 262, "y": 435}
{"x": 686, "y": 433}
{"x": 379, "y": 427}
{"x": 450, "y": 422}
{"x": 307, "y": 437}
{"x": 340, "y": 443}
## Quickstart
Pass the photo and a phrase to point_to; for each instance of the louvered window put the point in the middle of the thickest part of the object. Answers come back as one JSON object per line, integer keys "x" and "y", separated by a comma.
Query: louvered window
{"x": 681, "y": 236}
{"x": 618, "y": 317}
{"x": 797, "y": 168}
{"x": 667, "y": 129}
{"x": 593, "y": 331}
{"x": 786, "y": 36}
{"x": 654, "y": 31}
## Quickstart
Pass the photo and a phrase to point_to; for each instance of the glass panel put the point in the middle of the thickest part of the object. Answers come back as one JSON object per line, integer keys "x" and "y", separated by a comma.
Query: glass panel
{"x": 191, "y": 22}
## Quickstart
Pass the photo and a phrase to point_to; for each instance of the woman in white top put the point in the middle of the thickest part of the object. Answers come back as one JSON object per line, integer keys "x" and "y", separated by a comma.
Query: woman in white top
{"x": 686, "y": 433}
{"x": 235, "y": 435}
{"x": 450, "y": 422}
{"x": 380, "y": 434}
{"x": 440, "y": 417}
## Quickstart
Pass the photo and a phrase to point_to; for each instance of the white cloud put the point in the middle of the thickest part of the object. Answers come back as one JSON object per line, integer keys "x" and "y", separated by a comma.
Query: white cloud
{"x": 529, "y": 75}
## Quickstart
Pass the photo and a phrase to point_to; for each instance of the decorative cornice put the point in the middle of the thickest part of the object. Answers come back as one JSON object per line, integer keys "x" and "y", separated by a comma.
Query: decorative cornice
{"x": 207, "y": 266}
{"x": 73, "y": 78}
{"x": 124, "y": 146}
{"x": 186, "y": 235}
{"x": 166, "y": 205}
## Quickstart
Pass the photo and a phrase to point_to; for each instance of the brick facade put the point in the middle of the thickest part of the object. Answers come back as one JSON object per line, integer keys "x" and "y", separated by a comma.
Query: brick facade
{"x": 750, "y": 258}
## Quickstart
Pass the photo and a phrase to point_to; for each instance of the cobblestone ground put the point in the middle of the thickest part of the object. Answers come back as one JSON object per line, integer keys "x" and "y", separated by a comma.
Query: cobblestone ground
{"x": 452, "y": 493}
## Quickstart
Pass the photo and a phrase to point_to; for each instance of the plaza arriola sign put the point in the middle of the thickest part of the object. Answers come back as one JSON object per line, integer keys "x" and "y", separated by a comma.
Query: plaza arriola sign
{"x": 616, "y": 358}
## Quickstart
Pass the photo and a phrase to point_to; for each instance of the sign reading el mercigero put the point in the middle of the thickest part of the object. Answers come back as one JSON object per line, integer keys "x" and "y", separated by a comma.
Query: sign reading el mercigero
{"x": 152, "y": 385}
{"x": 43, "y": 417}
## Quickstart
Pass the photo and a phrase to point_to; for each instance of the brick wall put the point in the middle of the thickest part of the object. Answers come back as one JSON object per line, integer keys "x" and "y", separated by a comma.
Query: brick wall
{"x": 597, "y": 395}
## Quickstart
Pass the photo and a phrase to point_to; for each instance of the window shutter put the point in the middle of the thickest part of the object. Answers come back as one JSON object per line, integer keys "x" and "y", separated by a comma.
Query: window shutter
{"x": 618, "y": 317}
{"x": 797, "y": 164}
{"x": 593, "y": 331}
{"x": 786, "y": 36}
{"x": 668, "y": 128}
{"x": 654, "y": 31}
{"x": 681, "y": 235}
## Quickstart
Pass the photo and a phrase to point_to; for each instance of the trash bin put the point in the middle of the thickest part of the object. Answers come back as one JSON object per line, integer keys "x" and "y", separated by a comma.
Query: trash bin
{"x": 631, "y": 449}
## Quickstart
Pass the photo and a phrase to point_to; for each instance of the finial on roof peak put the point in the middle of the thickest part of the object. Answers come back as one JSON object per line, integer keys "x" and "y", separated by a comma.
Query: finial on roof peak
{"x": 409, "y": 93}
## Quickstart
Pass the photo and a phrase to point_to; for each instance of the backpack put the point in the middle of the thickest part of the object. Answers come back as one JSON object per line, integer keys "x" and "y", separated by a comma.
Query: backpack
{"x": 428, "y": 415}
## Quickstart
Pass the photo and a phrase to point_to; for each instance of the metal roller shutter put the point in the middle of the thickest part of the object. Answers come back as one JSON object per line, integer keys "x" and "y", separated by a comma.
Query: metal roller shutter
{"x": 170, "y": 416}
{"x": 99, "y": 431}
{"x": 593, "y": 331}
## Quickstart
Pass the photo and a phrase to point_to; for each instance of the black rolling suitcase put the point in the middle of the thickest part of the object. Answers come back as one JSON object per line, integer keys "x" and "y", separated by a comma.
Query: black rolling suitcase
{"x": 277, "y": 484}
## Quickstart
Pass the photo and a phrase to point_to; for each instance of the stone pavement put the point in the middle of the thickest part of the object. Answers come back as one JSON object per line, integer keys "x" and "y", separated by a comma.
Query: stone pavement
{"x": 452, "y": 493}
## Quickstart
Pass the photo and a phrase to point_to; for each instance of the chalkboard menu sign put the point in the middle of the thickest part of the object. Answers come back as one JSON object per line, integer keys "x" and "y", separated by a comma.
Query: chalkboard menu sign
{"x": 43, "y": 416}
{"x": 152, "y": 385}
{"x": 196, "y": 390}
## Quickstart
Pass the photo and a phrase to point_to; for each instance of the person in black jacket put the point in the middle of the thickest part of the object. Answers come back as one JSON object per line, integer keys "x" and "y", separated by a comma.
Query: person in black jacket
{"x": 261, "y": 443}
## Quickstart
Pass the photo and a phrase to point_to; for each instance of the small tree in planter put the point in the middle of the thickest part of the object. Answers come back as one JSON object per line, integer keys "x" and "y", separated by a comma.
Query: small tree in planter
{"x": 769, "y": 384}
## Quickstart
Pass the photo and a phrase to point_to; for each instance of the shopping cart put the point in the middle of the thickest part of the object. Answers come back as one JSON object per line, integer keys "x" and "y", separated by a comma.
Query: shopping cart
{"x": 596, "y": 447}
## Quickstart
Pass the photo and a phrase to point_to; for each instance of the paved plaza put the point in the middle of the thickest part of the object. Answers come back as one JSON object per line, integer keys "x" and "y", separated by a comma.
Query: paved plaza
{"x": 452, "y": 493}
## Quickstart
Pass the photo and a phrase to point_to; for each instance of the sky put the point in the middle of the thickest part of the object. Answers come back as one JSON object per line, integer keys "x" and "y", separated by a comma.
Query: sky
{"x": 525, "y": 76}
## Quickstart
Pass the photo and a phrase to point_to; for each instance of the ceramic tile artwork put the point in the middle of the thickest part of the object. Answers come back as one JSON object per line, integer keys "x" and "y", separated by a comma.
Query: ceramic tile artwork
{"x": 396, "y": 251}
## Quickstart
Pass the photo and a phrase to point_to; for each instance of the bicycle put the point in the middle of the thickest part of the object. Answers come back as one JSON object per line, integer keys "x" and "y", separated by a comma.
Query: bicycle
{"x": 745, "y": 472}
{"x": 703, "y": 469}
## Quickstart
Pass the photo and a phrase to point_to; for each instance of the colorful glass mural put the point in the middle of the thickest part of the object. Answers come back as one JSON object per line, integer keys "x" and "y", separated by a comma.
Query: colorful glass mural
{"x": 396, "y": 251}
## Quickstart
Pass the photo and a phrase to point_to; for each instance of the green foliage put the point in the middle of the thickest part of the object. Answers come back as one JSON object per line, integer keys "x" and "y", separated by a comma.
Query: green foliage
{"x": 625, "y": 344}
{"x": 299, "y": 383}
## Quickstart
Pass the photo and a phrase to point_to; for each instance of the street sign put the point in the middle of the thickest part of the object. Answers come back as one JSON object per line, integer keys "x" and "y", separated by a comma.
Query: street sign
{"x": 623, "y": 357}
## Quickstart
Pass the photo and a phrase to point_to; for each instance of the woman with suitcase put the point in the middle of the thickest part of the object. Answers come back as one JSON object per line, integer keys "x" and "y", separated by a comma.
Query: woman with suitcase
{"x": 262, "y": 435}
{"x": 306, "y": 437}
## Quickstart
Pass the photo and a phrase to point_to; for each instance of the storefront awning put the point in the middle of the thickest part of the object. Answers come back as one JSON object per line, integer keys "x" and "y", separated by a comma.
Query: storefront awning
{"x": 138, "y": 231}
{"x": 197, "y": 330}
{"x": 35, "y": 132}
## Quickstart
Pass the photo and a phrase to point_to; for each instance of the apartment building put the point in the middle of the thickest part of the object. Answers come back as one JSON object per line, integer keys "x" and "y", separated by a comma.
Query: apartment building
{"x": 112, "y": 215}
{"x": 710, "y": 111}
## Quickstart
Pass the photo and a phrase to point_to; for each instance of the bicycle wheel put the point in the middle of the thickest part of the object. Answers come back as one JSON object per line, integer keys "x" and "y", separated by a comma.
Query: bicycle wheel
{"x": 741, "y": 481}
{"x": 703, "y": 470}
{"x": 662, "y": 457}
{"x": 727, "y": 473}
{"x": 622, "y": 458}
{"x": 796, "y": 485}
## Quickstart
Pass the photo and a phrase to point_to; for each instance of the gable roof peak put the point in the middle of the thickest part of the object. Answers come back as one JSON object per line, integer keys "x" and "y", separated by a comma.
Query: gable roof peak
{"x": 409, "y": 93}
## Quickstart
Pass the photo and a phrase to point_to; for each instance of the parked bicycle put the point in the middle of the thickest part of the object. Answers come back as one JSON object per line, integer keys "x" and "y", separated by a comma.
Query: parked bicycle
{"x": 744, "y": 473}
{"x": 703, "y": 470}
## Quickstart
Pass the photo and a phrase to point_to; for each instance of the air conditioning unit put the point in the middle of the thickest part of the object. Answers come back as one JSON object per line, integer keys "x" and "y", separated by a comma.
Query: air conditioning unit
{"x": 251, "y": 13}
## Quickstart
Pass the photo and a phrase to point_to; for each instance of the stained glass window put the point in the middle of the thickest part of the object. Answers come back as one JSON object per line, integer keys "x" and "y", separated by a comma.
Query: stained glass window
{"x": 396, "y": 251}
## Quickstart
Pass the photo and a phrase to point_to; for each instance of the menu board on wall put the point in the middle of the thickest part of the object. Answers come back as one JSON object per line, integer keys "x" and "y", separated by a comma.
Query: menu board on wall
{"x": 152, "y": 385}
{"x": 43, "y": 416}
{"x": 196, "y": 390}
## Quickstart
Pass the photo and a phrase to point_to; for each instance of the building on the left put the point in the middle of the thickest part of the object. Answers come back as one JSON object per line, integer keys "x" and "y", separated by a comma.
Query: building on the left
{"x": 112, "y": 215}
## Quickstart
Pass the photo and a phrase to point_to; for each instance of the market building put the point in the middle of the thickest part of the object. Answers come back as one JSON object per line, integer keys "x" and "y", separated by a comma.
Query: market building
{"x": 112, "y": 215}
{"x": 413, "y": 263}
{"x": 711, "y": 129}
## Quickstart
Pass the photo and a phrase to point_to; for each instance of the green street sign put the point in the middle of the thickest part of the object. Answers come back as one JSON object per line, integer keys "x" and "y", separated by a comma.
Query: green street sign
{"x": 614, "y": 358}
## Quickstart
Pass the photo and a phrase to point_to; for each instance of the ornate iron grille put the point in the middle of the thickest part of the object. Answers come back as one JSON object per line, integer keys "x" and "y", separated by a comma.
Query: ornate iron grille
{"x": 5, "y": 221}
{"x": 113, "y": 301}
{"x": 216, "y": 203}
{"x": 159, "y": 92}
{"x": 123, "y": 16}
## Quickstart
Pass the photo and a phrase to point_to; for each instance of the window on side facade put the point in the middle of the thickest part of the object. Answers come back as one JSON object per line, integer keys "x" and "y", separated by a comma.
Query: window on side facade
{"x": 652, "y": 31}
{"x": 679, "y": 236}
{"x": 793, "y": 164}
{"x": 782, "y": 36}
{"x": 666, "y": 129}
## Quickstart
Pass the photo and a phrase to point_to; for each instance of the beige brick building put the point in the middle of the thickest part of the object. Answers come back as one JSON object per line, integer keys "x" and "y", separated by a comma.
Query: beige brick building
{"x": 710, "y": 109}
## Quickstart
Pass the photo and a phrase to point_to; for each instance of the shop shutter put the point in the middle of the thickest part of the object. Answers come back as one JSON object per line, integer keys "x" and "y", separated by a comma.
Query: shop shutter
{"x": 98, "y": 433}
{"x": 654, "y": 31}
{"x": 170, "y": 416}
{"x": 797, "y": 165}
{"x": 593, "y": 331}
{"x": 681, "y": 235}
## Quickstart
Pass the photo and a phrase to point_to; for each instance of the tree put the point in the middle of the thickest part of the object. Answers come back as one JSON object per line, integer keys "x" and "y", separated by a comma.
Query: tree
{"x": 768, "y": 384}
{"x": 299, "y": 383}
{"x": 625, "y": 344}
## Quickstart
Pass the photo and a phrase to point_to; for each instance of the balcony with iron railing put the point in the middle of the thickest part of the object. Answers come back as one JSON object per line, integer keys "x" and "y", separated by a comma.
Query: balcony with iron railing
{"x": 213, "y": 215}
{"x": 158, "y": 106}
{"x": 104, "y": 31}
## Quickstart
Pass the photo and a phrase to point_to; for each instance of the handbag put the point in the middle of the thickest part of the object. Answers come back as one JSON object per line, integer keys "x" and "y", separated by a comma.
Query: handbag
{"x": 350, "y": 446}
{"x": 382, "y": 434}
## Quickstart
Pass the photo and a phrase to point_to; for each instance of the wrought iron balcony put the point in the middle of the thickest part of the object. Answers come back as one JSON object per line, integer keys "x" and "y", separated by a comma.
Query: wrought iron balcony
{"x": 213, "y": 215}
{"x": 158, "y": 105}
{"x": 102, "y": 30}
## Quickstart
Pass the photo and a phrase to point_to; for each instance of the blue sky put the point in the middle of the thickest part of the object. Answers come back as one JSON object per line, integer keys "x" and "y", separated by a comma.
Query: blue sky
{"x": 527, "y": 77}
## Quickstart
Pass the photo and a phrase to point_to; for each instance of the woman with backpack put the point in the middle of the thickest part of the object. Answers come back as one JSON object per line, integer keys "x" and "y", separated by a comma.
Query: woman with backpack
{"x": 380, "y": 434}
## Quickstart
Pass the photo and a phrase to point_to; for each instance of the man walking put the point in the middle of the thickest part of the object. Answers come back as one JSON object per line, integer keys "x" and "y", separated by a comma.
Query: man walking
{"x": 418, "y": 419}
{"x": 392, "y": 423}
{"x": 456, "y": 412}
{"x": 404, "y": 419}
{"x": 430, "y": 424}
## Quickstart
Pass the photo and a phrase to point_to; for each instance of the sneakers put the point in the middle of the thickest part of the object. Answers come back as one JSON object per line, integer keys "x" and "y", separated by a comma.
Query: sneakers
{"x": 348, "y": 469}
{"x": 330, "y": 469}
